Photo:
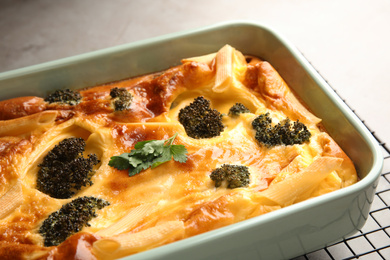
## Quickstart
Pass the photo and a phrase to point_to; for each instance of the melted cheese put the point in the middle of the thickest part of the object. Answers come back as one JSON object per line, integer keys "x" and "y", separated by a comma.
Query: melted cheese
{"x": 175, "y": 200}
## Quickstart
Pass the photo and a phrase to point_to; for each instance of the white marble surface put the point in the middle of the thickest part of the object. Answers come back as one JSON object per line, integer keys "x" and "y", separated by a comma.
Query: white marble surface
{"x": 346, "y": 41}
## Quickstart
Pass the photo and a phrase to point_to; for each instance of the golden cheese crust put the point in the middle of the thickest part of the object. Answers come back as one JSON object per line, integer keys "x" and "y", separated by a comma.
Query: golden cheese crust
{"x": 175, "y": 200}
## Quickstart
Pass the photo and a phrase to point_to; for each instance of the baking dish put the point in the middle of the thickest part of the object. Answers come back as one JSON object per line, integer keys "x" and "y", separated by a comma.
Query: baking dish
{"x": 282, "y": 234}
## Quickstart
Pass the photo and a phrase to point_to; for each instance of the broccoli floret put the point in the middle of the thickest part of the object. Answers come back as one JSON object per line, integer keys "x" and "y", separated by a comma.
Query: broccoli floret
{"x": 235, "y": 175}
{"x": 121, "y": 98}
{"x": 65, "y": 96}
{"x": 264, "y": 131}
{"x": 237, "y": 109}
{"x": 285, "y": 132}
{"x": 200, "y": 120}
{"x": 64, "y": 170}
{"x": 70, "y": 219}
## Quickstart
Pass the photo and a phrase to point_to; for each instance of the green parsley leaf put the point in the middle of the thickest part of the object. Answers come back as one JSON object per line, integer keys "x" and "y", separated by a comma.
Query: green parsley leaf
{"x": 165, "y": 156}
{"x": 120, "y": 162}
{"x": 151, "y": 153}
{"x": 179, "y": 153}
{"x": 134, "y": 161}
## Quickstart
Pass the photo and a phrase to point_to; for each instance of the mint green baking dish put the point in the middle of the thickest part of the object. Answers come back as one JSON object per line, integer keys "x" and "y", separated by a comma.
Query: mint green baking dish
{"x": 283, "y": 234}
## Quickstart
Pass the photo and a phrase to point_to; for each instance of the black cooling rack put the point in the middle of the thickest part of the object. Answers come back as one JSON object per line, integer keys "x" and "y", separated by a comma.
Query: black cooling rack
{"x": 372, "y": 242}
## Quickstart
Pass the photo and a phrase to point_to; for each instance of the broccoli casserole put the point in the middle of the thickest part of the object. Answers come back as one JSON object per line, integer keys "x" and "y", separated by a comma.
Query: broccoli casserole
{"x": 116, "y": 169}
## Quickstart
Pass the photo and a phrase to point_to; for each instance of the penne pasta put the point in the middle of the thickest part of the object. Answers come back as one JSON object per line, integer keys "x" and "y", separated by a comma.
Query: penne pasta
{"x": 288, "y": 191}
{"x": 230, "y": 64}
{"x": 129, "y": 243}
{"x": 27, "y": 124}
{"x": 224, "y": 67}
{"x": 12, "y": 199}
{"x": 206, "y": 59}
{"x": 129, "y": 221}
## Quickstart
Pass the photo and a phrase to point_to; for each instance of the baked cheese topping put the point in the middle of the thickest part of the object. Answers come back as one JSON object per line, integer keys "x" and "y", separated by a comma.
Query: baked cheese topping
{"x": 174, "y": 200}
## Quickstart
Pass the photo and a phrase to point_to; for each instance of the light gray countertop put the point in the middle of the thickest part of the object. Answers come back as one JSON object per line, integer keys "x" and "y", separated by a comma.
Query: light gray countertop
{"x": 346, "y": 41}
